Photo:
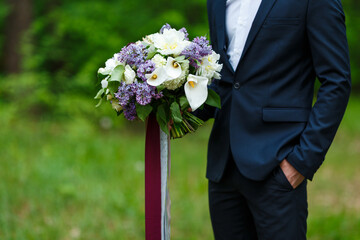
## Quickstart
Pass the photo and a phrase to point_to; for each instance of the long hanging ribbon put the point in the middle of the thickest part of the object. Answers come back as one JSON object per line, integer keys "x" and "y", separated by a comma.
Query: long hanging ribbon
{"x": 157, "y": 168}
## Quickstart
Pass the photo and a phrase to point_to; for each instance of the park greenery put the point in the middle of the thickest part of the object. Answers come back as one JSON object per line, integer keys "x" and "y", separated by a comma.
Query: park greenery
{"x": 83, "y": 180}
{"x": 70, "y": 171}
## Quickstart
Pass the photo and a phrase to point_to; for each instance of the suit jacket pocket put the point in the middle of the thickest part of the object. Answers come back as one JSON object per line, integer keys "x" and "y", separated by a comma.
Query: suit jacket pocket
{"x": 286, "y": 114}
{"x": 269, "y": 22}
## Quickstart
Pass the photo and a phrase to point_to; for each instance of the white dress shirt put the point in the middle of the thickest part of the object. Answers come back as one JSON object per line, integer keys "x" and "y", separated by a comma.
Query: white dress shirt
{"x": 240, "y": 15}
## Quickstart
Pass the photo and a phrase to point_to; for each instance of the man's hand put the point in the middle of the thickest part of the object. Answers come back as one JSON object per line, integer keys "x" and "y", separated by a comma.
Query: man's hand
{"x": 293, "y": 176}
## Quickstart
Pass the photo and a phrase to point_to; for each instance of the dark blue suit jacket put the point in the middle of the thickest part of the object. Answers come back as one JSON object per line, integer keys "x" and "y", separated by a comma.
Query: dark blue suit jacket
{"x": 267, "y": 113}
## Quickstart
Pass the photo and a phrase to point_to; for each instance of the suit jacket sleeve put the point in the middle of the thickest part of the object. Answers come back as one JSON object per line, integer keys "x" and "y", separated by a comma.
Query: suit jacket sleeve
{"x": 329, "y": 49}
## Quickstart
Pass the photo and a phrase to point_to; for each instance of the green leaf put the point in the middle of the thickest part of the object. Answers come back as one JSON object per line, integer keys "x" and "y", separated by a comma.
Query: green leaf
{"x": 161, "y": 113}
{"x": 117, "y": 73}
{"x": 160, "y": 88}
{"x": 162, "y": 118}
{"x": 152, "y": 53}
{"x": 143, "y": 111}
{"x": 119, "y": 113}
{"x": 145, "y": 44}
{"x": 213, "y": 99}
{"x": 184, "y": 102}
{"x": 101, "y": 76}
{"x": 99, "y": 94}
{"x": 113, "y": 87}
{"x": 99, "y": 103}
{"x": 164, "y": 127}
{"x": 175, "y": 112}
{"x": 180, "y": 58}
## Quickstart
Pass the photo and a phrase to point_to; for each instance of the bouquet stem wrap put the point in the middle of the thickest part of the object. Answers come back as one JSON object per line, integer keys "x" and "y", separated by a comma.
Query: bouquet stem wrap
{"x": 157, "y": 169}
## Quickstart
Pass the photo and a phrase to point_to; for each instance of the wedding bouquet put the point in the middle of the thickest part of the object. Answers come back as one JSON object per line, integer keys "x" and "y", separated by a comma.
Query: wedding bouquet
{"x": 165, "y": 74}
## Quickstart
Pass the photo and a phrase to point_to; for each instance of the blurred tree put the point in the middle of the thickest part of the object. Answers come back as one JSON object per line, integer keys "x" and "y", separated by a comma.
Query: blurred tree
{"x": 352, "y": 10}
{"x": 74, "y": 38}
{"x": 67, "y": 41}
{"x": 17, "y": 22}
{"x": 4, "y": 12}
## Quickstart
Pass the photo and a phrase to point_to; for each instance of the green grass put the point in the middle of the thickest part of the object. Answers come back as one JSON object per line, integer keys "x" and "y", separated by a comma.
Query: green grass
{"x": 76, "y": 180}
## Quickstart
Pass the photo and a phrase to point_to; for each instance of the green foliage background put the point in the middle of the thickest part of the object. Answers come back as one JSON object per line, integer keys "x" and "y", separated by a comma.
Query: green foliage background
{"x": 70, "y": 171}
{"x": 69, "y": 40}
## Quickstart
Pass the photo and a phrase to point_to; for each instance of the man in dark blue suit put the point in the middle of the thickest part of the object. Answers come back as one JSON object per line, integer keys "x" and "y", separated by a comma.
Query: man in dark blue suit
{"x": 268, "y": 138}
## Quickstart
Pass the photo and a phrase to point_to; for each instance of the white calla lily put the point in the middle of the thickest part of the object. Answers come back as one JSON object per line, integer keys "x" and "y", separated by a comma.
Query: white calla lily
{"x": 196, "y": 90}
{"x": 157, "y": 77}
{"x": 173, "y": 68}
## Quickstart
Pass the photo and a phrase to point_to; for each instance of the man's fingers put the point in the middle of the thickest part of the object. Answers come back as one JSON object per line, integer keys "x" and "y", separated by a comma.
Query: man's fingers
{"x": 293, "y": 176}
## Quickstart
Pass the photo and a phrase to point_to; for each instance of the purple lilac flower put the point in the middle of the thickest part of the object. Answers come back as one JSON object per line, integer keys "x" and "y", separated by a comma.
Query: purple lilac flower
{"x": 166, "y": 26}
{"x": 143, "y": 93}
{"x": 198, "y": 49}
{"x": 145, "y": 68}
{"x": 204, "y": 44}
{"x": 133, "y": 54}
{"x": 192, "y": 52}
{"x": 130, "y": 111}
{"x": 124, "y": 94}
{"x": 185, "y": 32}
{"x": 157, "y": 95}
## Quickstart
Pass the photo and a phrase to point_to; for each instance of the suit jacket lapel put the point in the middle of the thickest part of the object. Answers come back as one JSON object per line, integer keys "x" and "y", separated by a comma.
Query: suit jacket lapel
{"x": 264, "y": 9}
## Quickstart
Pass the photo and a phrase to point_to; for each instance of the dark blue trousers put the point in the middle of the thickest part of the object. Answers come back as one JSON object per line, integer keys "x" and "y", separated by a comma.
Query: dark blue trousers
{"x": 245, "y": 209}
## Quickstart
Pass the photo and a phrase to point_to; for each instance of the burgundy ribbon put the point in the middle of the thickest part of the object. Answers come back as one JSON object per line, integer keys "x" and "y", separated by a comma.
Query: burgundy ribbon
{"x": 152, "y": 180}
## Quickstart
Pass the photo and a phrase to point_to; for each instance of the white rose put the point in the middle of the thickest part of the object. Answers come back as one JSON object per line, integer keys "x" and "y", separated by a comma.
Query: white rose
{"x": 149, "y": 39}
{"x": 210, "y": 68}
{"x": 171, "y": 42}
{"x": 129, "y": 75}
{"x": 110, "y": 64}
{"x": 104, "y": 83}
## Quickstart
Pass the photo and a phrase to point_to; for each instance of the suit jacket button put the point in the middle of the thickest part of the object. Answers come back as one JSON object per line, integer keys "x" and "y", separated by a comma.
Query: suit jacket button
{"x": 237, "y": 85}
